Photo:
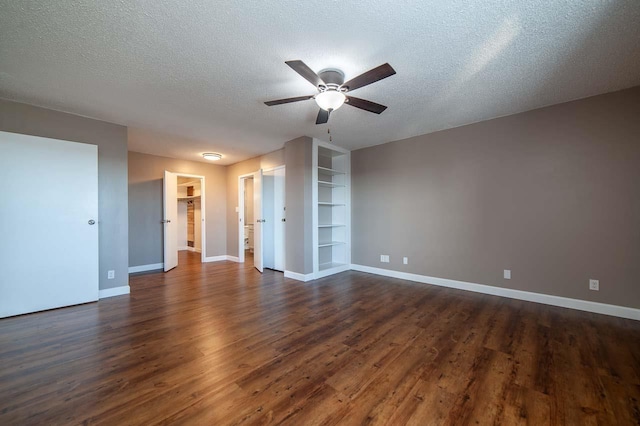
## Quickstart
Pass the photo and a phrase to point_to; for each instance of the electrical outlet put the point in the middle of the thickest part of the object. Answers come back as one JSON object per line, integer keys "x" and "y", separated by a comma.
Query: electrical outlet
{"x": 384, "y": 258}
{"x": 405, "y": 260}
{"x": 594, "y": 285}
{"x": 111, "y": 274}
{"x": 507, "y": 274}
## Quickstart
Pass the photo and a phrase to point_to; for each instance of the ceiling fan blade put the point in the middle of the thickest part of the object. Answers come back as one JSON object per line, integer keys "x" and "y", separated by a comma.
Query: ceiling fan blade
{"x": 306, "y": 72}
{"x": 288, "y": 100}
{"x": 365, "y": 105}
{"x": 323, "y": 116}
{"x": 371, "y": 76}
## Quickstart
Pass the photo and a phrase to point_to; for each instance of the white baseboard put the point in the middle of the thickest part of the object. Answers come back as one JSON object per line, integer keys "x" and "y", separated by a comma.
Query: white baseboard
{"x": 565, "y": 302}
{"x": 157, "y": 266}
{"x": 187, "y": 248}
{"x": 144, "y": 268}
{"x": 215, "y": 258}
{"x": 221, "y": 258}
{"x": 116, "y": 291}
{"x": 298, "y": 277}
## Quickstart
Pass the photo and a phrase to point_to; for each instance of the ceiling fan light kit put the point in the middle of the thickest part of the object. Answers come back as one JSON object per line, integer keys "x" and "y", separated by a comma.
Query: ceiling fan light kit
{"x": 330, "y": 100}
{"x": 332, "y": 89}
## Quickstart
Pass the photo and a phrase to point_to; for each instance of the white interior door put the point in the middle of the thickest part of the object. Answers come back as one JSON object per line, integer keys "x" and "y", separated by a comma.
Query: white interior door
{"x": 258, "y": 219}
{"x": 170, "y": 220}
{"x": 268, "y": 212}
{"x": 279, "y": 219}
{"x": 48, "y": 223}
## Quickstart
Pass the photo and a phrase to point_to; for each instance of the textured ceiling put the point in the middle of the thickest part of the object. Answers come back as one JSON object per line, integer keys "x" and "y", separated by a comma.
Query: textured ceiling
{"x": 192, "y": 76}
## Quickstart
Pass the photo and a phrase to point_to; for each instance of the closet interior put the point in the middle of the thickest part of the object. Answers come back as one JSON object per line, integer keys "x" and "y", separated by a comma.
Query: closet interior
{"x": 189, "y": 214}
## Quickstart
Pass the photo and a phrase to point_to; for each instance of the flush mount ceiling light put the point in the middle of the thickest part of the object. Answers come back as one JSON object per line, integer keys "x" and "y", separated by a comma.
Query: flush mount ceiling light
{"x": 213, "y": 156}
{"x": 330, "y": 100}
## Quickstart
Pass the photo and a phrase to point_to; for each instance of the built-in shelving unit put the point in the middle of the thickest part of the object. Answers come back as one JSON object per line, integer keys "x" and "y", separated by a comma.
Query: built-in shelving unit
{"x": 332, "y": 213}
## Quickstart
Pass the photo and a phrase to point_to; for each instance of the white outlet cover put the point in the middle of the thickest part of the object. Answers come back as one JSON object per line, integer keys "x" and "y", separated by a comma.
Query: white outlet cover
{"x": 507, "y": 274}
{"x": 594, "y": 285}
{"x": 111, "y": 274}
{"x": 405, "y": 260}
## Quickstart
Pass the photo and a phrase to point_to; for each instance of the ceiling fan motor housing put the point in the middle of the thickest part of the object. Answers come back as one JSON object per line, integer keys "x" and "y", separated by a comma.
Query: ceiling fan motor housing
{"x": 332, "y": 78}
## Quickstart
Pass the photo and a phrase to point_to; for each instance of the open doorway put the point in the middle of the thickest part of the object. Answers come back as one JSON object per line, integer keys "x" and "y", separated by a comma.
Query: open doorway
{"x": 189, "y": 215}
{"x": 184, "y": 216}
{"x": 247, "y": 221}
{"x": 261, "y": 214}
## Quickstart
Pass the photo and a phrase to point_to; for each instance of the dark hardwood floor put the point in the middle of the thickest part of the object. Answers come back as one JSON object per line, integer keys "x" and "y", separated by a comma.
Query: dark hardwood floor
{"x": 218, "y": 343}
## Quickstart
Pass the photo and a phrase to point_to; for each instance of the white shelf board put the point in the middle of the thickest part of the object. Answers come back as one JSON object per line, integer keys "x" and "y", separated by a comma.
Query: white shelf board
{"x": 330, "y": 184}
{"x": 331, "y": 243}
{"x": 331, "y": 225}
{"x": 328, "y": 171}
{"x": 322, "y": 203}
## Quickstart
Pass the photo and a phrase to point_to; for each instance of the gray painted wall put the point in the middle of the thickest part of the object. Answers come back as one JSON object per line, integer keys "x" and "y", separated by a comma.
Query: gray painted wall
{"x": 146, "y": 173}
{"x": 267, "y": 161}
{"x": 552, "y": 194}
{"x": 298, "y": 240}
{"x": 111, "y": 140}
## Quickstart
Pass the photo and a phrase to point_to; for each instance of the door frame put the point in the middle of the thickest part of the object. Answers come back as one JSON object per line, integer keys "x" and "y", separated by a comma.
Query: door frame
{"x": 203, "y": 225}
{"x": 241, "y": 219}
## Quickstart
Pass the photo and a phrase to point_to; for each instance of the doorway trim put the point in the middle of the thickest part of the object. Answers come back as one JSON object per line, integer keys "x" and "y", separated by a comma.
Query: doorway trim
{"x": 203, "y": 218}
{"x": 241, "y": 218}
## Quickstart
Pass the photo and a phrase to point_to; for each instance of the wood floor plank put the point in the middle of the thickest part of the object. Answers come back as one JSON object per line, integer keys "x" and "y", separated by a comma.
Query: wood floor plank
{"x": 220, "y": 343}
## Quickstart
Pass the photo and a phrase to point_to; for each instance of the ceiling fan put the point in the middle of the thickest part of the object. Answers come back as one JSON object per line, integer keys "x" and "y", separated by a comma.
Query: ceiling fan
{"x": 332, "y": 89}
